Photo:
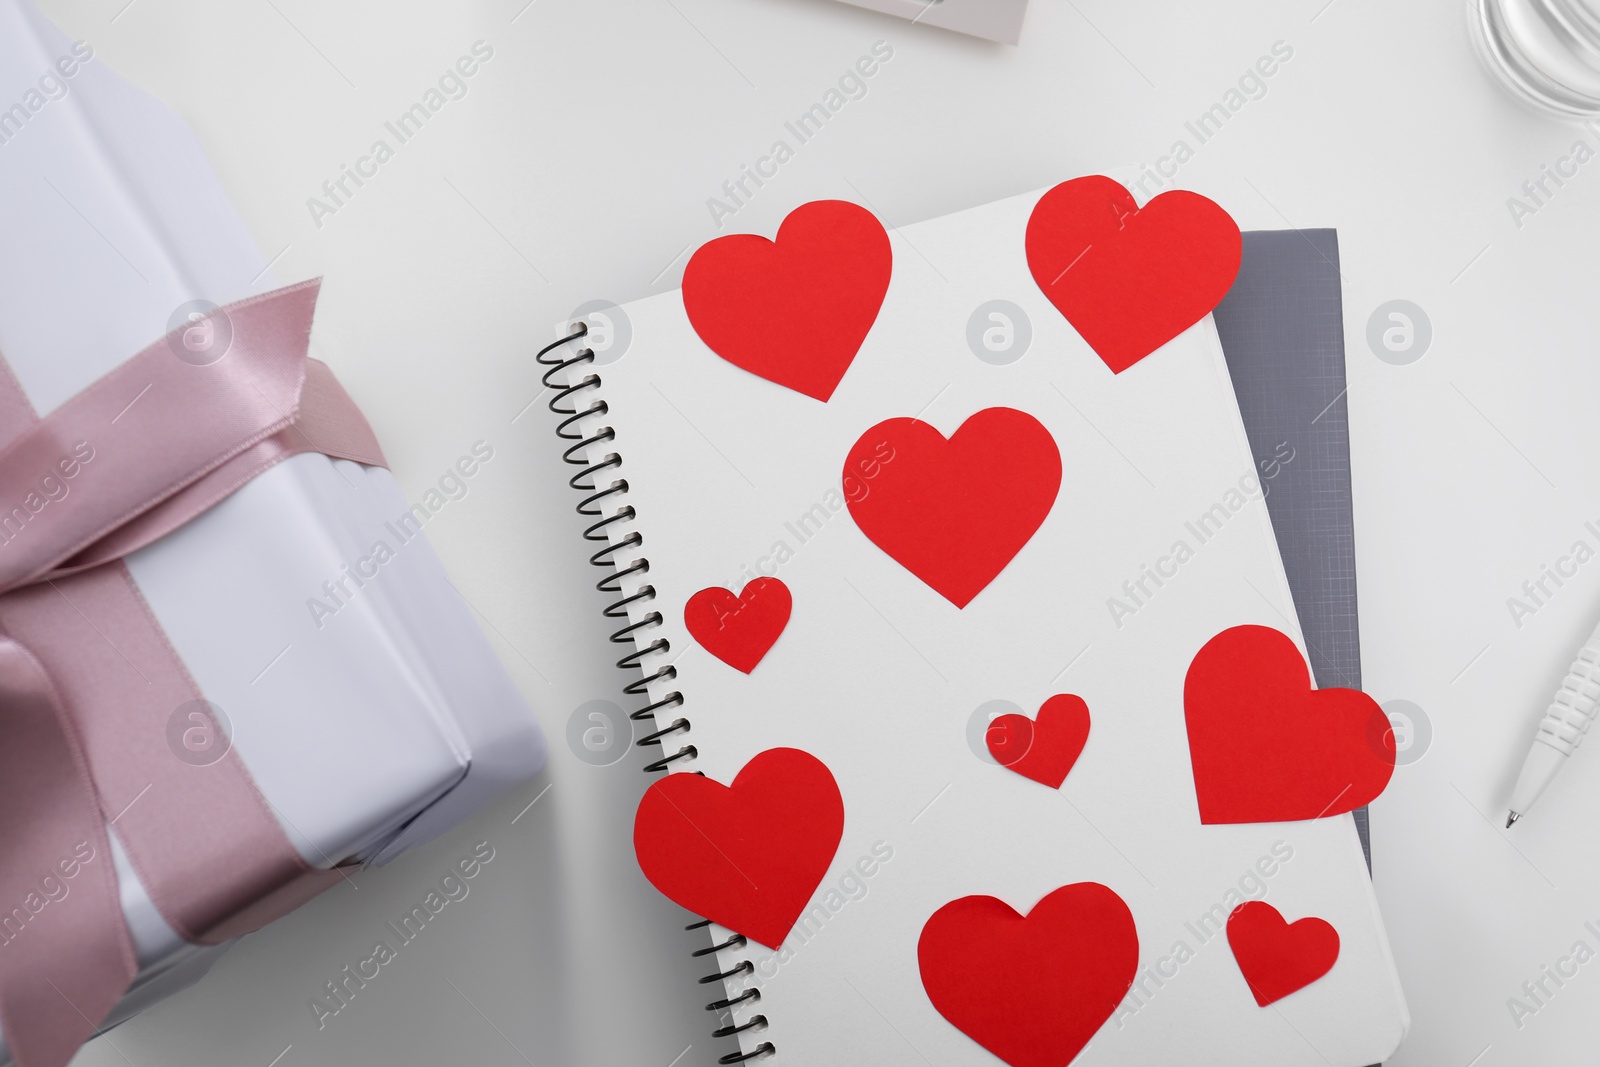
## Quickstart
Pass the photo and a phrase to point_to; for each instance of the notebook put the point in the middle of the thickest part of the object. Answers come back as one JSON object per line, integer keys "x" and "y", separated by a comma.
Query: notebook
{"x": 987, "y": 722}
{"x": 1282, "y": 331}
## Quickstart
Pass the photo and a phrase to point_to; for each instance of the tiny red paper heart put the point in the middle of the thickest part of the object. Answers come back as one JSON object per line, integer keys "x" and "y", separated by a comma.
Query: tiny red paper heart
{"x": 795, "y": 310}
{"x": 739, "y": 630}
{"x": 1045, "y": 748}
{"x": 1130, "y": 279}
{"x": 1032, "y": 990}
{"x": 1276, "y": 957}
{"x": 955, "y": 512}
{"x": 747, "y": 855}
{"x": 1265, "y": 746}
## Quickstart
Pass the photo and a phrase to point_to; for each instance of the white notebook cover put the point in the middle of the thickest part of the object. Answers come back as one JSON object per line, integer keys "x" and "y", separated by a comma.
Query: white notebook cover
{"x": 881, "y": 678}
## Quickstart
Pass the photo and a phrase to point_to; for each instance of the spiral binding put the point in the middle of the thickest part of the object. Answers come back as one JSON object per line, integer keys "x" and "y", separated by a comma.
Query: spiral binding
{"x": 586, "y": 481}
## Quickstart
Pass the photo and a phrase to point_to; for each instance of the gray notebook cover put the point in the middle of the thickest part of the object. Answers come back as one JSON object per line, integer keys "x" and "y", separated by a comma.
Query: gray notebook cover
{"x": 1282, "y": 330}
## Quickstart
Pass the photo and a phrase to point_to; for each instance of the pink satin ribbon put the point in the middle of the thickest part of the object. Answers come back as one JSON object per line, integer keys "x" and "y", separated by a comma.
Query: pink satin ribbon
{"x": 88, "y": 680}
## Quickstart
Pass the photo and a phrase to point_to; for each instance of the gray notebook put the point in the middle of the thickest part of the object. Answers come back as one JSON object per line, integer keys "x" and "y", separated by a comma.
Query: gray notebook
{"x": 1282, "y": 330}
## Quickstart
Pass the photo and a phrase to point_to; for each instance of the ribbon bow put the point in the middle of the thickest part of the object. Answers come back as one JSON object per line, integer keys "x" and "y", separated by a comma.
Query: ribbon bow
{"x": 88, "y": 680}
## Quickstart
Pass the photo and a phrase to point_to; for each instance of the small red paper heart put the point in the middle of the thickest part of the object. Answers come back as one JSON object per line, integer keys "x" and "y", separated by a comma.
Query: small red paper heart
{"x": 747, "y": 855}
{"x": 1045, "y": 748}
{"x": 955, "y": 512}
{"x": 1276, "y": 957}
{"x": 1032, "y": 990}
{"x": 1265, "y": 746}
{"x": 796, "y": 310}
{"x": 1130, "y": 279}
{"x": 739, "y": 630}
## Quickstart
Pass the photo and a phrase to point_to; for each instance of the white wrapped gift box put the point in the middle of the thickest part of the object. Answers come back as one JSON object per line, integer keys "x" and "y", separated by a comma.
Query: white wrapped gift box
{"x": 368, "y": 731}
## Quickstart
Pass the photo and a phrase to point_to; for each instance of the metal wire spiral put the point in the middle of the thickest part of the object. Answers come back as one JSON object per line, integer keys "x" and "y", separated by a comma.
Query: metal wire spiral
{"x": 751, "y": 995}
{"x": 587, "y": 481}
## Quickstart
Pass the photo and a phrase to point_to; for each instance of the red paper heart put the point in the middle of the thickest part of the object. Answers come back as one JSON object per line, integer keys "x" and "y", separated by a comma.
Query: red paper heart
{"x": 796, "y": 310}
{"x": 1045, "y": 748}
{"x": 1033, "y": 990}
{"x": 1276, "y": 957}
{"x": 739, "y": 630}
{"x": 1265, "y": 746}
{"x": 1130, "y": 279}
{"x": 748, "y": 855}
{"x": 954, "y": 512}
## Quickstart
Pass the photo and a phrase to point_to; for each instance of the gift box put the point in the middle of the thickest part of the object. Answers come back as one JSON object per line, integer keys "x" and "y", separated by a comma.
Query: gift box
{"x": 329, "y": 699}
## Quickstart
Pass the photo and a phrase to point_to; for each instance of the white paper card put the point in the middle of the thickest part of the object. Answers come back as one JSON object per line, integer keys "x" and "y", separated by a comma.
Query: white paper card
{"x": 998, "y": 20}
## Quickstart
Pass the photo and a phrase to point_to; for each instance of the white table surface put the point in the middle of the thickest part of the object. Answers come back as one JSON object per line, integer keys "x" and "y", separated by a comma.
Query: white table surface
{"x": 579, "y": 166}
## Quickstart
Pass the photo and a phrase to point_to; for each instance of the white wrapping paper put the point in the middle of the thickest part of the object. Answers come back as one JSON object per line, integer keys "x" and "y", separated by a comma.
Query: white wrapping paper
{"x": 368, "y": 729}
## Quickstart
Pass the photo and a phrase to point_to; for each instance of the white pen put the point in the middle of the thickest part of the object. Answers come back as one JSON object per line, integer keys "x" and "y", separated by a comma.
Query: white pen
{"x": 1562, "y": 728}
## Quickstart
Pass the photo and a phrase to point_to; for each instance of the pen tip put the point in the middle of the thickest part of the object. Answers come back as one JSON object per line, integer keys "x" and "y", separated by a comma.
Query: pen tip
{"x": 1511, "y": 818}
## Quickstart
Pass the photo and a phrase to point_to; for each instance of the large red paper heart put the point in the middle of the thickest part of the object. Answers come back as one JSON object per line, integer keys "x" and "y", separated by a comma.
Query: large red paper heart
{"x": 1277, "y": 957}
{"x": 739, "y": 630}
{"x": 1045, "y": 748}
{"x": 1265, "y": 746}
{"x": 1130, "y": 279}
{"x": 796, "y": 310}
{"x": 954, "y": 512}
{"x": 1032, "y": 990}
{"x": 746, "y": 855}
